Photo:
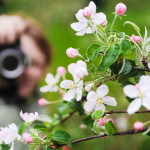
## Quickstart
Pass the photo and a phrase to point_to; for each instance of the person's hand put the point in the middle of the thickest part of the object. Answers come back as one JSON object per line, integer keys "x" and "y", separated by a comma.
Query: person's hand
{"x": 11, "y": 27}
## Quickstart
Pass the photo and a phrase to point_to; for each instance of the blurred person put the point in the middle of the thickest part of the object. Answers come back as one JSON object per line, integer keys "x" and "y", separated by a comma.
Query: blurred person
{"x": 14, "y": 93}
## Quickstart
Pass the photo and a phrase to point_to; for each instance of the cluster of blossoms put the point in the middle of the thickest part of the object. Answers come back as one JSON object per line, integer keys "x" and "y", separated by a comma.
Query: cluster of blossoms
{"x": 9, "y": 135}
{"x": 88, "y": 19}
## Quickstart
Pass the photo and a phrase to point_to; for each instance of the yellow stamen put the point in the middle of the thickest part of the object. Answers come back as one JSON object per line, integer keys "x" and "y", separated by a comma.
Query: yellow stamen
{"x": 99, "y": 101}
{"x": 141, "y": 94}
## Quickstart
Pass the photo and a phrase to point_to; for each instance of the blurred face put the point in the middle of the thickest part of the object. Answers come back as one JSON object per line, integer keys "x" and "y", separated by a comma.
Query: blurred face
{"x": 29, "y": 79}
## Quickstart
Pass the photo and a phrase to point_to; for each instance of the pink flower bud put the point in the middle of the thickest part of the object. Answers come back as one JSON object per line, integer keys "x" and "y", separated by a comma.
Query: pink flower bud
{"x": 27, "y": 137}
{"x": 136, "y": 39}
{"x": 88, "y": 87}
{"x": 71, "y": 52}
{"x": 138, "y": 125}
{"x": 105, "y": 137}
{"x": 87, "y": 12}
{"x": 102, "y": 121}
{"x": 42, "y": 102}
{"x": 104, "y": 23}
{"x": 120, "y": 9}
{"x": 61, "y": 70}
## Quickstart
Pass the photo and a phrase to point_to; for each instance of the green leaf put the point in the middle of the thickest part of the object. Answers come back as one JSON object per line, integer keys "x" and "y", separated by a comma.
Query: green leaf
{"x": 78, "y": 107}
{"x": 88, "y": 121}
{"x": 115, "y": 67}
{"x": 93, "y": 51}
{"x": 100, "y": 28}
{"x": 126, "y": 47}
{"x": 97, "y": 114}
{"x": 5, "y": 147}
{"x": 45, "y": 147}
{"x": 22, "y": 128}
{"x": 113, "y": 126}
{"x": 108, "y": 128}
{"x": 62, "y": 136}
{"x": 127, "y": 67}
{"x": 110, "y": 57}
{"x": 40, "y": 127}
{"x": 136, "y": 28}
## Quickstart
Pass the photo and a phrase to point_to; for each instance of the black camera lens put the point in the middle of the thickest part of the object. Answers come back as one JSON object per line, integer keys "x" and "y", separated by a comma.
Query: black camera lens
{"x": 10, "y": 63}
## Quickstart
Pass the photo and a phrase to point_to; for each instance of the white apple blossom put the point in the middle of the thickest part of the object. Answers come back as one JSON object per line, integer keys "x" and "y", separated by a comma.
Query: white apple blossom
{"x": 29, "y": 117}
{"x": 78, "y": 70}
{"x": 9, "y": 135}
{"x": 87, "y": 23}
{"x": 141, "y": 94}
{"x": 96, "y": 100}
{"x": 75, "y": 89}
{"x": 51, "y": 81}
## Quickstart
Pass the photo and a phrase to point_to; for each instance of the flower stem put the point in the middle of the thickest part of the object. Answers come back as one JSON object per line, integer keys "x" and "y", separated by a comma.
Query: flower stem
{"x": 113, "y": 24}
{"x": 146, "y": 123}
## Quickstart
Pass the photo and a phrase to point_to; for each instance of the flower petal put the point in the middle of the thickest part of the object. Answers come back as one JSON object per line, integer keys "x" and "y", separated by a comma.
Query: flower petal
{"x": 45, "y": 88}
{"x": 78, "y": 26}
{"x": 69, "y": 95}
{"x": 109, "y": 101}
{"x": 82, "y": 32}
{"x": 92, "y": 6}
{"x": 80, "y": 17}
{"x": 99, "y": 18}
{"x": 92, "y": 96}
{"x": 100, "y": 107}
{"x": 72, "y": 68}
{"x": 50, "y": 79}
{"x": 79, "y": 90}
{"x": 53, "y": 88}
{"x": 102, "y": 91}
{"x": 144, "y": 83}
{"x": 134, "y": 106}
{"x": 89, "y": 106}
{"x": 146, "y": 102}
{"x": 130, "y": 91}
{"x": 66, "y": 84}
{"x": 90, "y": 30}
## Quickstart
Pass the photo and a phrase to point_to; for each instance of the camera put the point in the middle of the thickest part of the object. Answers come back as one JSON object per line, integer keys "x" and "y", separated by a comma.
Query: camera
{"x": 12, "y": 60}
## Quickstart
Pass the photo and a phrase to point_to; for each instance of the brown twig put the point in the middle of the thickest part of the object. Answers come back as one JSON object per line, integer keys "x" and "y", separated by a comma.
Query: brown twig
{"x": 128, "y": 132}
{"x": 116, "y": 112}
{"x": 145, "y": 61}
{"x": 66, "y": 118}
{"x": 140, "y": 69}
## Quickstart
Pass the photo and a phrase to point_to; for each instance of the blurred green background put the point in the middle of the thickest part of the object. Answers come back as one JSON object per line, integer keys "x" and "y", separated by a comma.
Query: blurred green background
{"x": 55, "y": 17}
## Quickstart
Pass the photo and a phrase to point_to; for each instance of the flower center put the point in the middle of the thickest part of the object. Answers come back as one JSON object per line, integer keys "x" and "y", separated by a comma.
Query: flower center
{"x": 72, "y": 86}
{"x": 141, "y": 94}
{"x": 99, "y": 101}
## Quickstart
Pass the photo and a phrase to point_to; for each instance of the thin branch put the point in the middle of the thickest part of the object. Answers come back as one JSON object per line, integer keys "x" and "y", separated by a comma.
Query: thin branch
{"x": 116, "y": 112}
{"x": 69, "y": 116}
{"x": 140, "y": 69}
{"x": 128, "y": 132}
